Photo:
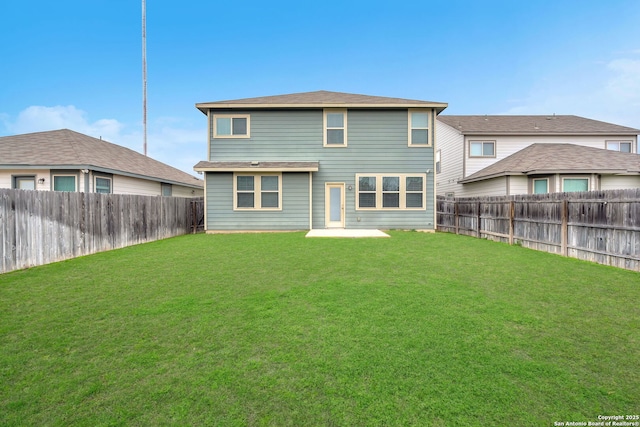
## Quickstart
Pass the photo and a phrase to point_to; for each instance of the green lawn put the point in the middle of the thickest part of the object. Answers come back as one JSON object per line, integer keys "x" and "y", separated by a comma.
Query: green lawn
{"x": 275, "y": 329}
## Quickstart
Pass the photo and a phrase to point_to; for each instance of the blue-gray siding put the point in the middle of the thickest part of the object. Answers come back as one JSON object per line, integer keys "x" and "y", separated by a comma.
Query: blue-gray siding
{"x": 293, "y": 216}
{"x": 376, "y": 143}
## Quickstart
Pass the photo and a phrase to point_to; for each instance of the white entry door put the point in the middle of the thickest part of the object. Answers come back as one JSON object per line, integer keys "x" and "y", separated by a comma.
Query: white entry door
{"x": 334, "y": 205}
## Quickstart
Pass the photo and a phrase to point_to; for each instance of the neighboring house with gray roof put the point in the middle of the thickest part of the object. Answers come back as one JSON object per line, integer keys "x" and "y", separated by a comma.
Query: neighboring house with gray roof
{"x": 319, "y": 160}
{"x": 508, "y": 155}
{"x": 64, "y": 160}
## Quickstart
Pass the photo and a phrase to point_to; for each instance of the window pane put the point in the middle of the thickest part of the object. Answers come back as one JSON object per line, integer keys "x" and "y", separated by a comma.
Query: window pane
{"x": 414, "y": 200}
{"x": 335, "y": 204}
{"x": 419, "y": 120}
{"x": 487, "y": 149}
{"x": 390, "y": 183}
{"x": 245, "y": 200}
{"x": 269, "y": 200}
{"x": 612, "y": 146}
{"x": 103, "y": 185}
{"x": 223, "y": 126}
{"x": 367, "y": 183}
{"x": 390, "y": 200}
{"x": 166, "y": 190}
{"x": 540, "y": 186}
{"x": 245, "y": 183}
{"x": 239, "y": 126}
{"x": 26, "y": 183}
{"x": 476, "y": 149}
{"x": 335, "y": 136}
{"x": 367, "y": 200}
{"x": 64, "y": 183}
{"x": 575, "y": 184}
{"x": 335, "y": 120}
{"x": 414, "y": 183}
{"x": 269, "y": 183}
{"x": 625, "y": 147}
{"x": 419, "y": 136}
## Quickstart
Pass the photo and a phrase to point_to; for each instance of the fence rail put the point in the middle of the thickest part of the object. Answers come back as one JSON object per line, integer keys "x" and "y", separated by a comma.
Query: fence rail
{"x": 598, "y": 226}
{"x": 39, "y": 227}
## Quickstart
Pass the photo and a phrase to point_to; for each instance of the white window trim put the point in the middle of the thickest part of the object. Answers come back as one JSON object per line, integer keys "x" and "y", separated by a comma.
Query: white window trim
{"x": 231, "y": 116}
{"x": 576, "y": 177}
{"x": 324, "y": 126}
{"x": 53, "y": 180}
{"x": 257, "y": 191}
{"x": 483, "y": 141}
{"x": 95, "y": 183}
{"x": 533, "y": 185}
{"x": 618, "y": 142}
{"x": 403, "y": 191}
{"x": 428, "y": 128}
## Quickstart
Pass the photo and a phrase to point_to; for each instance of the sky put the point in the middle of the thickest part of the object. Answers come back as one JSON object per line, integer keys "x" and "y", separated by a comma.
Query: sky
{"x": 78, "y": 64}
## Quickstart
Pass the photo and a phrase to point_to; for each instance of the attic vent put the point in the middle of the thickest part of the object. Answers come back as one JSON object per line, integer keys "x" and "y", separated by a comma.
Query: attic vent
{"x": 255, "y": 163}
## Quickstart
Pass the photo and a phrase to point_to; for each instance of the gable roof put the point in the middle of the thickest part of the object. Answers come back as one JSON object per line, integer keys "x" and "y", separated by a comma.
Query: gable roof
{"x": 67, "y": 149}
{"x": 533, "y": 125}
{"x": 321, "y": 99}
{"x": 560, "y": 158}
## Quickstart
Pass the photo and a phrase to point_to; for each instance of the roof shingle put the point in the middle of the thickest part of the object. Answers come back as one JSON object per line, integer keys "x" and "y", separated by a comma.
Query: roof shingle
{"x": 69, "y": 148}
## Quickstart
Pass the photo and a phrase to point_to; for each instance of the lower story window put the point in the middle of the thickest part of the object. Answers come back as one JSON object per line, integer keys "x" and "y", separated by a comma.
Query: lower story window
{"x": 64, "y": 183}
{"x": 24, "y": 182}
{"x": 257, "y": 191}
{"x": 391, "y": 191}
{"x": 103, "y": 185}
{"x": 541, "y": 186}
{"x": 166, "y": 189}
{"x": 575, "y": 184}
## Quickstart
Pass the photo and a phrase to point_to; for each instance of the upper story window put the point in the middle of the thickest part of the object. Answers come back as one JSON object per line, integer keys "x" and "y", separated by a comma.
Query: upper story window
{"x": 482, "y": 148}
{"x": 335, "y": 128}
{"x": 231, "y": 126}
{"x": 622, "y": 146}
{"x": 418, "y": 128}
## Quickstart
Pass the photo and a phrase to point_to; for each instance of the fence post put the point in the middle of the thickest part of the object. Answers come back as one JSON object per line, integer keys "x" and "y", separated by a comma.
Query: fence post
{"x": 456, "y": 212}
{"x": 478, "y": 218}
{"x": 511, "y": 215}
{"x": 564, "y": 227}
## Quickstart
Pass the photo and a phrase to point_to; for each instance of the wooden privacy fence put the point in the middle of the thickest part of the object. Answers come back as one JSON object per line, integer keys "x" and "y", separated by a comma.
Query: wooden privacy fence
{"x": 39, "y": 227}
{"x": 598, "y": 226}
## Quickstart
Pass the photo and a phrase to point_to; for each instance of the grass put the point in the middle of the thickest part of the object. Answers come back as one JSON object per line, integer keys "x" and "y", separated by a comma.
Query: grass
{"x": 276, "y": 329}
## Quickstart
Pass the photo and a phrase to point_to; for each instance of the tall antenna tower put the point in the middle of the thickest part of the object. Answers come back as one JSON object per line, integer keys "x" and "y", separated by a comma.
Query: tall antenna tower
{"x": 144, "y": 74}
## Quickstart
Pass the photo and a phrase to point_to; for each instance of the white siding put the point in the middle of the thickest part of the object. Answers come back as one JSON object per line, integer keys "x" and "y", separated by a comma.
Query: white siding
{"x": 128, "y": 185}
{"x": 617, "y": 182}
{"x": 518, "y": 185}
{"x": 451, "y": 145}
{"x": 180, "y": 191}
{"x": 6, "y": 181}
{"x": 489, "y": 187}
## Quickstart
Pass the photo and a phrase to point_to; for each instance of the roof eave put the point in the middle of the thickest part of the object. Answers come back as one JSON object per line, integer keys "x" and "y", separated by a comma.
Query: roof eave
{"x": 204, "y": 107}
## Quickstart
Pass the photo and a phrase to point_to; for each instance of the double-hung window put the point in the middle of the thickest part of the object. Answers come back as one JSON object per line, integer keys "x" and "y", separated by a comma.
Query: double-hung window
{"x": 391, "y": 191}
{"x": 622, "y": 146}
{"x": 231, "y": 126}
{"x": 418, "y": 128}
{"x": 257, "y": 191}
{"x": 335, "y": 127}
{"x": 482, "y": 148}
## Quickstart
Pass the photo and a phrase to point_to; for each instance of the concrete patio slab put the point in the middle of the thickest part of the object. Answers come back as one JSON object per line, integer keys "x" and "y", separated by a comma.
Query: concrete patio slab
{"x": 340, "y": 232}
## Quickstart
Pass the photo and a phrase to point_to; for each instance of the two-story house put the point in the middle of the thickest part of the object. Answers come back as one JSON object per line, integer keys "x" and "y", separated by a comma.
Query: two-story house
{"x": 508, "y": 155}
{"x": 319, "y": 160}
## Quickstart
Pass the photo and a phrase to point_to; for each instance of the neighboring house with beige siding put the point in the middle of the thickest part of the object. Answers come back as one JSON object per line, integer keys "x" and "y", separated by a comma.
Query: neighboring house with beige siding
{"x": 508, "y": 155}
{"x": 64, "y": 160}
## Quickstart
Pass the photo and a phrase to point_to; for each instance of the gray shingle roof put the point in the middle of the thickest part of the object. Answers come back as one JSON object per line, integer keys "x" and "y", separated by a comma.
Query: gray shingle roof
{"x": 533, "y": 125}
{"x": 560, "y": 158}
{"x": 320, "y": 99}
{"x": 67, "y": 148}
